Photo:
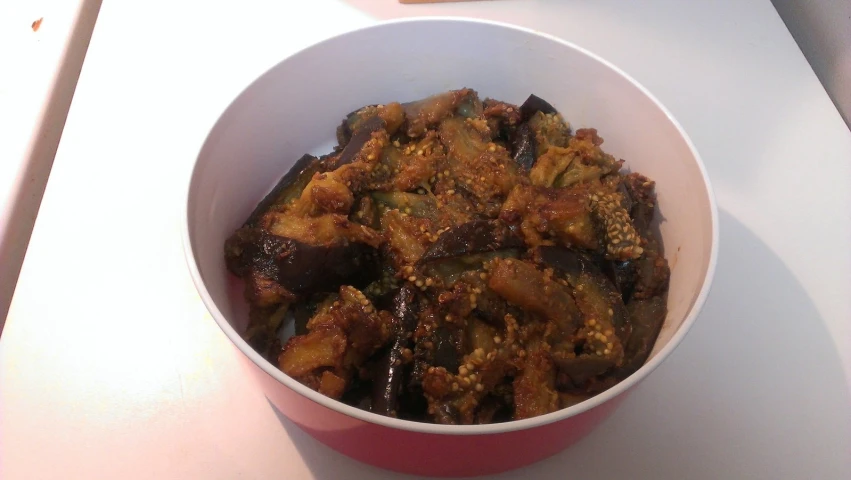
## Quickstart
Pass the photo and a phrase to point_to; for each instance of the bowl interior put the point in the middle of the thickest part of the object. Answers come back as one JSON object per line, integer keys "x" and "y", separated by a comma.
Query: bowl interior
{"x": 295, "y": 107}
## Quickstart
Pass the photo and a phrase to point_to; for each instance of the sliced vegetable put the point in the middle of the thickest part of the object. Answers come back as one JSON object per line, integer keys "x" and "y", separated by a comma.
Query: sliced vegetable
{"x": 390, "y": 369}
{"x": 646, "y": 318}
{"x": 524, "y": 147}
{"x": 297, "y": 266}
{"x": 478, "y": 236}
{"x": 551, "y": 213}
{"x": 534, "y": 388}
{"x": 535, "y": 104}
{"x": 425, "y": 113}
{"x": 535, "y": 291}
{"x": 362, "y": 135}
{"x": 288, "y": 188}
{"x": 422, "y": 206}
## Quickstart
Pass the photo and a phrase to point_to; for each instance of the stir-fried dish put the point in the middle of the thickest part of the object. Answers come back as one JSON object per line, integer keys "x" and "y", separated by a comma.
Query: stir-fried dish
{"x": 456, "y": 261}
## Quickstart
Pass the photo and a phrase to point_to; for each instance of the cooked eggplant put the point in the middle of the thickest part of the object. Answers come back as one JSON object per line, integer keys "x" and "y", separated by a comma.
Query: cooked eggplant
{"x": 391, "y": 114}
{"x": 524, "y": 142}
{"x": 478, "y": 236}
{"x": 288, "y": 188}
{"x": 646, "y": 318}
{"x": 525, "y": 286}
{"x": 457, "y": 262}
{"x": 390, "y": 369}
{"x": 413, "y": 204}
{"x": 359, "y": 138}
{"x": 425, "y": 113}
{"x": 595, "y": 294}
{"x": 297, "y": 266}
{"x": 524, "y": 148}
{"x": 534, "y": 104}
{"x": 263, "y": 326}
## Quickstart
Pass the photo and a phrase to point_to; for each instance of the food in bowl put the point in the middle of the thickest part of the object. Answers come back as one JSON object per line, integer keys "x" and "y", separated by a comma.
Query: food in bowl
{"x": 457, "y": 261}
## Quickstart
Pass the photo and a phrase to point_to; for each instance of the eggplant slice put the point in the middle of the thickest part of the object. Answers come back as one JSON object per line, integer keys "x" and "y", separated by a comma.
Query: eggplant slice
{"x": 297, "y": 266}
{"x": 288, "y": 188}
{"x": 390, "y": 370}
{"x": 478, "y": 236}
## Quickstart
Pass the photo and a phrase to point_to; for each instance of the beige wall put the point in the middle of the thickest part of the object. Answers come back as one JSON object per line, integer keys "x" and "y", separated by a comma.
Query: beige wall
{"x": 822, "y": 29}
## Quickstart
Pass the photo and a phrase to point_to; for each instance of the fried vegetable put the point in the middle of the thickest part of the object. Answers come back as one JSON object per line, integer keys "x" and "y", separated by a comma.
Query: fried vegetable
{"x": 322, "y": 347}
{"x": 595, "y": 294}
{"x": 455, "y": 261}
{"x": 405, "y": 240}
{"x": 390, "y": 369}
{"x": 524, "y": 149}
{"x": 646, "y": 319}
{"x": 622, "y": 240}
{"x": 535, "y": 291}
{"x": 478, "y": 236}
{"x": 449, "y": 270}
{"x": 297, "y": 266}
{"x": 479, "y": 167}
{"x": 534, "y": 388}
{"x": 340, "y": 338}
{"x": 263, "y": 326}
{"x": 502, "y": 118}
{"x": 606, "y": 324}
{"x": 422, "y": 206}
{"x": 590, "y": 161}
{"x": 534, "y": 104}
{"x": 288, "y": 188}
{"x": 392, "y": 114}
{"x": 428, "y": 112}
{"x": 360, "y": 137}
{"x": 551, "y": 214}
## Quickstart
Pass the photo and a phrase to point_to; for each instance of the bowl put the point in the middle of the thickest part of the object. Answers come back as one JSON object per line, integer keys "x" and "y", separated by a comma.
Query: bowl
{"x": 294, "y": 109}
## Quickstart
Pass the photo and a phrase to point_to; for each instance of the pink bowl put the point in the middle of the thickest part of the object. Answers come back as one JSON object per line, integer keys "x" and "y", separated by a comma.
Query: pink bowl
{"x": 295, "y": 107}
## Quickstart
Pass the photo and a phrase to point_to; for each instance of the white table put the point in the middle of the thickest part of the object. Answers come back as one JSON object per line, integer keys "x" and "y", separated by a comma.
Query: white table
{"x": 42, "y": 46}
{"x": 110, "y": 366}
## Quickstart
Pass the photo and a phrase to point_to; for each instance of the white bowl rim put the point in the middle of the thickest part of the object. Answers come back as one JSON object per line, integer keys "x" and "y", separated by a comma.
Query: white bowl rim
{"x": 511, "y": 426}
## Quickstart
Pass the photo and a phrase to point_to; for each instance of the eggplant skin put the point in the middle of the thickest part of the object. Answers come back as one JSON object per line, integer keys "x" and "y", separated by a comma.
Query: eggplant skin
{"x": 647, "y": 317}
{"x": 478, "y": 236}
{"x": 535, "y": 104}
{"x": 390, "y": 372}
{"x": 297, "y": 266}
{"x": 303, "y": 164}
{"x": 568, "y": 261}
{"x": 524, "y": 144}
{"x": 524, "y": 147}
{"x": 359, "y": 138}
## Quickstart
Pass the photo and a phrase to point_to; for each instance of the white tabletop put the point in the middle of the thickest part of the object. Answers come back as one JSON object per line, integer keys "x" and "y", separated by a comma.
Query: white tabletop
{"x": 42, "y": 46}
{"x": 110, "y": 366}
